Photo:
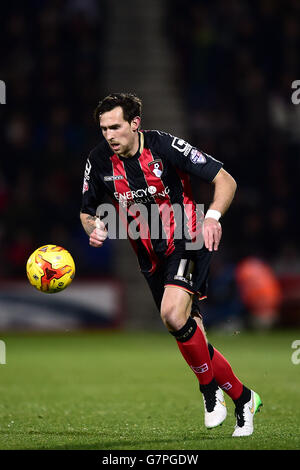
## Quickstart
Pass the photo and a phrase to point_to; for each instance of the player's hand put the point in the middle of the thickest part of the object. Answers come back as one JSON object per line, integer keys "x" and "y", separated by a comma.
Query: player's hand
{"x": 212, "y": 233}
{"x": 98, "y": 235}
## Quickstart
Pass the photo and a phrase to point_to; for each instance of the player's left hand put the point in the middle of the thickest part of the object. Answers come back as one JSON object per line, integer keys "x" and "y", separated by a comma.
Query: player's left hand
{"x": 212, "y": 233}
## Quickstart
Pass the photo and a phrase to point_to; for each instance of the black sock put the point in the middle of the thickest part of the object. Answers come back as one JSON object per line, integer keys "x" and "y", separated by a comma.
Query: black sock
{"x": 211, "y": 350}
{"x": 209, "y": 394}
{"x": 244, "y": 397}
{"x": 209, "y": 388}
{"x": 186, "y": 332}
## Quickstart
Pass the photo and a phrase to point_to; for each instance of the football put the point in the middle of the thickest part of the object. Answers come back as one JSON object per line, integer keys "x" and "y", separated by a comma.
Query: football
{"x": 50, "y": 269}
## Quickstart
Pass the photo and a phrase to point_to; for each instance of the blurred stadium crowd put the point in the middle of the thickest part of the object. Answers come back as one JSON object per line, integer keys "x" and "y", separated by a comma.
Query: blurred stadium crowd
{"x": 52, "y": 67}
{"x": 236, "y": 63}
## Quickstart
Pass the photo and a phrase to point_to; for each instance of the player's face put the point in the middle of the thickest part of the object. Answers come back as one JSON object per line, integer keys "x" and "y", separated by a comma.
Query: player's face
{"x": 121, "y": 135}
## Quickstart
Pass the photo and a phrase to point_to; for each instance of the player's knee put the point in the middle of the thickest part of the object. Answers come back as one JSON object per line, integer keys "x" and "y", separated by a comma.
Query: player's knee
{"x": 173, "y": 318}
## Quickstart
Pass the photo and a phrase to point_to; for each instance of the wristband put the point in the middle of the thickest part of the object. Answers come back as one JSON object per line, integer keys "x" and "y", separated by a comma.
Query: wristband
{"x": 213, "y": 214}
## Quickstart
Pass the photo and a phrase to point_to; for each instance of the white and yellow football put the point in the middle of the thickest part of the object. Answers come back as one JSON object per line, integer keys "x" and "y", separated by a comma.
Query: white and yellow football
{"x": 50, "y": 269}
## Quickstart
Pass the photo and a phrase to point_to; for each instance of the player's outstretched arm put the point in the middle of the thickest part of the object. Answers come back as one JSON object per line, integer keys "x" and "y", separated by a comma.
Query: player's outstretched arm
{"x": 94, "y": 228}
{"x": 225, "y": 187}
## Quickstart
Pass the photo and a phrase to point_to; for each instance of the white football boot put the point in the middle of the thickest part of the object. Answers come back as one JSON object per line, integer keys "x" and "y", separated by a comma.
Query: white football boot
{"x": 245, "y": 414}
{"x": 215, "y": 410}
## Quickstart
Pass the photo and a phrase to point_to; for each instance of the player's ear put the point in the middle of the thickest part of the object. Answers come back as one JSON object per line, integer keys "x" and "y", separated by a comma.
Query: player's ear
{"x": 135, "y": 123}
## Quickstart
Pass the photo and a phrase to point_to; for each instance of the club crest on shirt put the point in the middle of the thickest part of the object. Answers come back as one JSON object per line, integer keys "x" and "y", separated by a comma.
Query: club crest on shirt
{"x": 156, "y": 168}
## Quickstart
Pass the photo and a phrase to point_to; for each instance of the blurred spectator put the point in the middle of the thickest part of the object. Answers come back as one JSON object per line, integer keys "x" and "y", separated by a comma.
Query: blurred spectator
{"x": 260, "y": 291}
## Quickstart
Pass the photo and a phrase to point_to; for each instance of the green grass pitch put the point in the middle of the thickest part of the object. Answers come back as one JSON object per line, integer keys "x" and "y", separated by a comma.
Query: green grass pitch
{"x": 129, "y": 391}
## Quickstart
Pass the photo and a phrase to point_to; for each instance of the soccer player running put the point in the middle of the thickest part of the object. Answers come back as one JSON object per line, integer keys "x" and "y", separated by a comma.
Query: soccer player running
{"x": 153, "y": 168}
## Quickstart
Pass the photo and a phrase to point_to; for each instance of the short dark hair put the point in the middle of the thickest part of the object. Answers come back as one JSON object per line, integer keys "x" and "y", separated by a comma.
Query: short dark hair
{"x": 130, "y": 103}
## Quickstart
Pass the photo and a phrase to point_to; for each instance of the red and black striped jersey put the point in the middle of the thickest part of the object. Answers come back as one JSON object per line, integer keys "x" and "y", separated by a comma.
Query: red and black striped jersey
{"x": 157, "y": 177}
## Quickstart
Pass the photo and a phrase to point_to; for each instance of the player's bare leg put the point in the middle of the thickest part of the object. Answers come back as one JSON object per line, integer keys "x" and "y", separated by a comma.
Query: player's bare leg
{"x": 175, "y": 313}
{"x": 175, "y": 308}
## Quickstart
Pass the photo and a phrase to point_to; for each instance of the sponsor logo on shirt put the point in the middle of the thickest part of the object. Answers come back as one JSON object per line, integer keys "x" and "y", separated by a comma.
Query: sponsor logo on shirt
{"x": 113, "y": 178}
{"x": 139, "y": 196}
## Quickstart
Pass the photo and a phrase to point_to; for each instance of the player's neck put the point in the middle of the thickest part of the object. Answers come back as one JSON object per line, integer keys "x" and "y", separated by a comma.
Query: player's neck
{"x": 134, "y": 148}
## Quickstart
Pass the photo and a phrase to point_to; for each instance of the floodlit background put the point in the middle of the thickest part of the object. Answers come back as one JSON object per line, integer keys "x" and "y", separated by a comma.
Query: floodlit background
{"x": 218, "y": 74}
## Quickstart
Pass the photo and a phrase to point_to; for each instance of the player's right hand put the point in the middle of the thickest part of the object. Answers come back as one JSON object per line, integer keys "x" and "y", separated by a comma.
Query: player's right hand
{"x": 98, "y": 235}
